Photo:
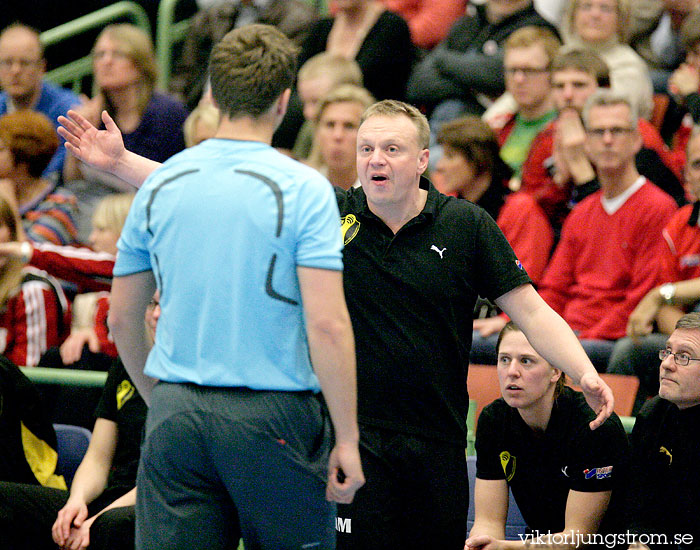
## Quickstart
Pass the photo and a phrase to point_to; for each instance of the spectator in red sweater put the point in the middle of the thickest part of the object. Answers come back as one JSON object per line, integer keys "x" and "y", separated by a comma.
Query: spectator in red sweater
{"x": 33, "y": 309}
{"x": 428, "y": 20}
{"x": 557, "y": 171}
{"x": 611, "y": 242}
{"x": 89, "y": 345}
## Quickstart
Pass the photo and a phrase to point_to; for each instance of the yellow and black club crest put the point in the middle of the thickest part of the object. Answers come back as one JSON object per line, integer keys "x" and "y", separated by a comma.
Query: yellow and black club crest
{"x": 508, "y": 464}
{"x": 125, "y": 391}
{"x": 350, "y": 227}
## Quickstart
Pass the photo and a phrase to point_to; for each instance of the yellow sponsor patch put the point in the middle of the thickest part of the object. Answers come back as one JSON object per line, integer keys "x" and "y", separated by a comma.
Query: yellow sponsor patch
{"x": 350, "y": 227}
{"x": 125, "y": 391}
{"x": 508, "y": 464}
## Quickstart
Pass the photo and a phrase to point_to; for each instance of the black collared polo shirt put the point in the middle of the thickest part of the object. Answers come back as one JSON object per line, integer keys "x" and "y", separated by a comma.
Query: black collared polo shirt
{"x": 542, "y": 467}
{"x": 411, "y": 297}
{"x": 665, "y": 480}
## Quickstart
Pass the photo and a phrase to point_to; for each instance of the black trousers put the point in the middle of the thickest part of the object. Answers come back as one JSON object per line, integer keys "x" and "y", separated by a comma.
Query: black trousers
{"x": 27, "y": 513}
{"x": 416, "y": 495}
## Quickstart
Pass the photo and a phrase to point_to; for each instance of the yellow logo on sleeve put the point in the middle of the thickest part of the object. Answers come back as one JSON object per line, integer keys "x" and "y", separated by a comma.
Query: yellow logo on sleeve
{"x": 508, "y": 464}
{"x": 350, "y": 227}
{"x": 668, "y": 453}
{"x": 125, "y": 391}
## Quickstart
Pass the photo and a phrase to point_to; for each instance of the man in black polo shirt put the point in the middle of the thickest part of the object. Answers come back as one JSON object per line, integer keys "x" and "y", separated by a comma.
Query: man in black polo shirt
{"x": 414, "y": 263}
{"x": 664, "y": 503}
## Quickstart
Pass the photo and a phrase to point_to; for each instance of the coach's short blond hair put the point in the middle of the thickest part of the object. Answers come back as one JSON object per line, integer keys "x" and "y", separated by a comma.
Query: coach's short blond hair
{"x": 394, "y": 108}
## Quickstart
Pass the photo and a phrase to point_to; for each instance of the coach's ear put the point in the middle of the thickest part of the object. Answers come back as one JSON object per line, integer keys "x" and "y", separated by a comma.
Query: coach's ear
{"x": 423, "y": 159}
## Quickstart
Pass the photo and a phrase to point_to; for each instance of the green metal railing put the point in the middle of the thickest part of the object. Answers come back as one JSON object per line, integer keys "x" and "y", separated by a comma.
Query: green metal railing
{"x": 168, "y": 33}
{"x": 66, "y": 377}
{"x": 73, "y": 72}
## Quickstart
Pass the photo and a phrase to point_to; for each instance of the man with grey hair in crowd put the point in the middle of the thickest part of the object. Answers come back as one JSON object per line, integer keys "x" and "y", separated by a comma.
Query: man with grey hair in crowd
{"x": 607, "y": 257}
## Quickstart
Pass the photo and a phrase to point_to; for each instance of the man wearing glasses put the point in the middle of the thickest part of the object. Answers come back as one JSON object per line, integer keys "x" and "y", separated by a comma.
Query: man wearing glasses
{"x": 607, "y": 258}
{"x": 22, "y": 67}
{"x": 557, "y": 171}
{"x": 528, "y": 55}
{"x": 665, "y": 483}
{"x": 656, "y": 315}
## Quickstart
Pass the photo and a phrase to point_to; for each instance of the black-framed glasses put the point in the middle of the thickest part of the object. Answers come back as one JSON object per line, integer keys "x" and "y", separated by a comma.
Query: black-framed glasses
{"x": 527, "y": 71}
{"x": 615, "y": 131}
{"x": 680, "y": 359}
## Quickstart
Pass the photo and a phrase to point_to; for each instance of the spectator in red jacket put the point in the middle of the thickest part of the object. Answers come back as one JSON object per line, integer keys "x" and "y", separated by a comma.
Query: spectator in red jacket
{"x": 527, "y": 60}
{"x": 33, "y": 308}
{"x": 89, "y": 345}
{"x": 91, "y": 271}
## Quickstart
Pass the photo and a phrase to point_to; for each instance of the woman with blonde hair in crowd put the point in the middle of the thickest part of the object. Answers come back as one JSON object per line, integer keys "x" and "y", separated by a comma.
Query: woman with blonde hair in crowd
{"x": 602, "y": 26}
{"x": 28, "y": 141}
{"x": 33, "y": 307}
{"x": 125, "y": 75}
{"x": 334, "y": 148}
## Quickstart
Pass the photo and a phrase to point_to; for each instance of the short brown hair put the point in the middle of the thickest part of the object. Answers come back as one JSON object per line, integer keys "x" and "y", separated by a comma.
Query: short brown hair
{"x": 585, "y": 61}
{"x": 528, "y": 36}
{"x": 394, "y": 108}
{"x": 474, "y": 140}
{"x": 250, "y": 68}
{"x": 31, "y": 138}
{"x": 689, "y": 321}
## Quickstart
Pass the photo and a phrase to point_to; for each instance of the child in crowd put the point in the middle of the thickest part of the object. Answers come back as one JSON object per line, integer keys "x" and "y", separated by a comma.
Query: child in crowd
{"x": 318, "y": 76}
{"x": 34, "y": 311}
